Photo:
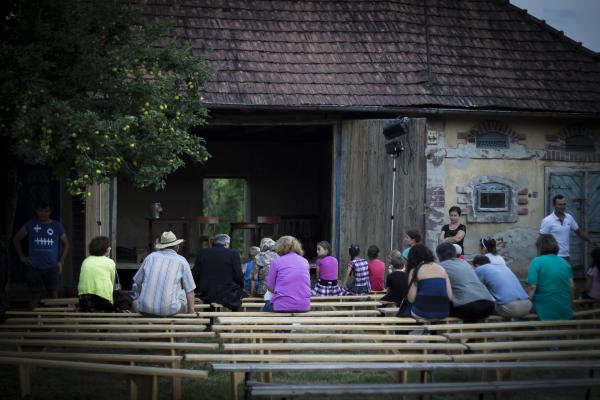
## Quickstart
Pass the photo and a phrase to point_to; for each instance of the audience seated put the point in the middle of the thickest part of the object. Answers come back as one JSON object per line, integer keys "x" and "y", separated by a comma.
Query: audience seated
{"x": 592, "y": 277}
{"x": 97, "y": 277}
{"x": 376, "y": 269}
{"x": 412, "y": 237}
{"x": 550, "y": 280}
{"x": 429, "y": 289}
{"x": 360, "y": 268}
{"x": 327, "y": 272}
{"x": 487, "y": 247}
{"x": 164, "y": 280}
{"x": 510, "y": 297}
{"x": 218, "y": 274}
{"x": 262, "y": 263}
{"x": 471, "y": 301}
{"x": 249, "y": 269}
{"x": 289, "y": 278}
{"x": 396, "y": 282}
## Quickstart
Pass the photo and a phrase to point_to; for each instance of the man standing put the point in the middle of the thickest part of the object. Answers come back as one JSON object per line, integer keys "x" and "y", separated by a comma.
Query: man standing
{"x": 218, "y": 274}
{"x": 471, "y": 301}
{"x": 48, "y": 247}
{"x": 164, "y": 281}
{"x": 560, "y": 224}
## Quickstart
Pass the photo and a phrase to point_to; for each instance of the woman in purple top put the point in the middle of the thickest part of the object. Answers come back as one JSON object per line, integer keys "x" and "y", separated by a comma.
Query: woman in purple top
{"x": 327, "y": 271}
{"x": 289, "y": 277}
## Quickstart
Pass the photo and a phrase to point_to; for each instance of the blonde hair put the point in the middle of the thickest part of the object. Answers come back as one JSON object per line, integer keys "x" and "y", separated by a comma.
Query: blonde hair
{"x": 288, "y": 244}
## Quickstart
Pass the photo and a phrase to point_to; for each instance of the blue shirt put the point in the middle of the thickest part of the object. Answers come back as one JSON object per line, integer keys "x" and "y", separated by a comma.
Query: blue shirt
{"x": 502, "y": 283}
{"x": 248, "y": 275}
{"x": 44, "y": 243}
{"x": 164, "y": 275}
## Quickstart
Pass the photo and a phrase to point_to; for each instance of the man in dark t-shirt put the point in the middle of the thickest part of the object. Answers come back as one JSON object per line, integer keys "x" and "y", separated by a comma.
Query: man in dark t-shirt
{"x": 48, "y": 247}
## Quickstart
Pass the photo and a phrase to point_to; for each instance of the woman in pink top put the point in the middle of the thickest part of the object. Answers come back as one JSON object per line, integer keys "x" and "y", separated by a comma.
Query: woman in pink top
{"x": 376, "y": 269}
{"x": 289, "y": 278}
{"x": 327, "y": 271}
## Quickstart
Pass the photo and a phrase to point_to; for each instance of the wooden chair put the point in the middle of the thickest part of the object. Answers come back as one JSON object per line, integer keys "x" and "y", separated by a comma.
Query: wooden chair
{"x": 274, "y": 221}
{"x": 211, "y": 222}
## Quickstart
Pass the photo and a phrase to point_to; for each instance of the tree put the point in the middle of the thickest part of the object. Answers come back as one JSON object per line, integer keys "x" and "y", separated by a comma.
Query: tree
{"x": 93, "y": 91}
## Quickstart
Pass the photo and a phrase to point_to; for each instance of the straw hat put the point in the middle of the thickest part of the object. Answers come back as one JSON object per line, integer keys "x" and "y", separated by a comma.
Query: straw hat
{"x": 168, "y": 239}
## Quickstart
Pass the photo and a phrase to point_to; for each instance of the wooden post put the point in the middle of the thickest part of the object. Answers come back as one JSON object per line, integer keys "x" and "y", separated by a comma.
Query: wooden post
{"x": 146, "y": 387}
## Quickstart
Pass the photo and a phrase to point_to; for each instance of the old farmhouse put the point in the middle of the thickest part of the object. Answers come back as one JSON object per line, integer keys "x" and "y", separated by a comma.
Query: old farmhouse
{"x": 504, "y": 109}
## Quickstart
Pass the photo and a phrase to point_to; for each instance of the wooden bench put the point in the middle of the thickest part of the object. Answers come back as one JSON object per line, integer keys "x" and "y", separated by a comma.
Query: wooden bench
{"x": 327, "y": 313}
{"x": 144, "y": 379}
{"x": 34, "y": 332}
{"x": 256, "y": 389}
{"x": 320, "y": 305}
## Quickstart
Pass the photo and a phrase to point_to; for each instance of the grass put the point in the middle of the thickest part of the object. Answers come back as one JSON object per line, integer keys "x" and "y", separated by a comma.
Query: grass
{"x": 63, "y": 384}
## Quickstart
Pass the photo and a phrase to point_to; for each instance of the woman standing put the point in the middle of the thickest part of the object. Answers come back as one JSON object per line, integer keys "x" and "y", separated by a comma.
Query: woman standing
{"x": 289, "y": 277}
{"x": 550, "y": 281}
{"x": 97, "y": 277}
{"x": 454, "y": 232}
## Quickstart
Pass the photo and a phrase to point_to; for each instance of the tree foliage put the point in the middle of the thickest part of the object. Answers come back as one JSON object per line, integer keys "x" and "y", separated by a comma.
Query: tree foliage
{"x": 92, "y": 91}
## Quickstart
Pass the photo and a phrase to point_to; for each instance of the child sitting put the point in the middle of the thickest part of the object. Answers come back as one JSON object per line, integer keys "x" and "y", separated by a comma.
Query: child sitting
{"x": 360, "y": 268}
{"x": 252, "y": 252}
{"x": 327, "y": 272}
{"x": 376, "y": 269}
{"x": 396, "y": 282}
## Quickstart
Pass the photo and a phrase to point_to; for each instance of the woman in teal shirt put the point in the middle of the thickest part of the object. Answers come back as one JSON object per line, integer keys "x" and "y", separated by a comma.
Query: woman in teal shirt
{"x": 550, "y": 281}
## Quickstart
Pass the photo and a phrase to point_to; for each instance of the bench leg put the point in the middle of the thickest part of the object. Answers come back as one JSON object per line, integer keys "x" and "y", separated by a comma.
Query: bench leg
{"x": 236, "y": 379}
{"x": 176, "y": 382}
{"x": 145, "y": 387}
{"x": 25, "y": 381}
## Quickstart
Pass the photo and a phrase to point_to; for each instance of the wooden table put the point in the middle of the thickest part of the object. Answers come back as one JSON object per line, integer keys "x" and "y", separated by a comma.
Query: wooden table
{"x": 255, "y": 230}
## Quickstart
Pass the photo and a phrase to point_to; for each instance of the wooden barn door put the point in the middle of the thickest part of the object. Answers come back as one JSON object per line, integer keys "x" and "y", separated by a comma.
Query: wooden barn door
{"x": 363, "y": 186}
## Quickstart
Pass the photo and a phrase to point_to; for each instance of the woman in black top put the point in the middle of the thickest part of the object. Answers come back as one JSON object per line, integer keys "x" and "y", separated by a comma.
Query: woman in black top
{"x": 454, "y": 232}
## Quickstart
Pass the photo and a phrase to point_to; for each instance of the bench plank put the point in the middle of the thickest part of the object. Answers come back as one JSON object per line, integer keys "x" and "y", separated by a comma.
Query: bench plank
{"x": 259, "y": 389}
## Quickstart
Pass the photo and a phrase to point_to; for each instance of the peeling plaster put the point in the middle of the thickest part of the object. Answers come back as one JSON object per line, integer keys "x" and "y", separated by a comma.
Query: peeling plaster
{"x": 517, "y": 246}
{"x": 461, "y": 163}
{"x": 514, "y": 152}
{"x": 523, "y": 181}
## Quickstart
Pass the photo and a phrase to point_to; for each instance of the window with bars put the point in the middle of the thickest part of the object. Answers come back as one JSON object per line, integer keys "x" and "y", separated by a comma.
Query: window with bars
{"x": 491, "y": 140}
{"x": 492, "y": 197}
{"x": 579, "y": 143}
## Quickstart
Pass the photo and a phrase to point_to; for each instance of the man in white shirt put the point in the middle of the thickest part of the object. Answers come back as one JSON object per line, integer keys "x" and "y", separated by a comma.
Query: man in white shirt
{"x": 560, "y": 224}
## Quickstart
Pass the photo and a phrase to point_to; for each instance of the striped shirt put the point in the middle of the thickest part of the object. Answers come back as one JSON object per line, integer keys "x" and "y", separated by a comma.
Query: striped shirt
{"x": 361, "y": 272}
{"x": 162, "y": 276}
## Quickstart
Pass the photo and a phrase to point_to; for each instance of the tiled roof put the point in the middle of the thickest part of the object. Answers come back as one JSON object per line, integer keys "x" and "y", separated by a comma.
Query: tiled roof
{"x": 473, "y": 54}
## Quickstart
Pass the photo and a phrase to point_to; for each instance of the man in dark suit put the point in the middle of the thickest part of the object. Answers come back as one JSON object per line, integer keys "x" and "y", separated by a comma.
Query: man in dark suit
{"x": 218, "y": 274}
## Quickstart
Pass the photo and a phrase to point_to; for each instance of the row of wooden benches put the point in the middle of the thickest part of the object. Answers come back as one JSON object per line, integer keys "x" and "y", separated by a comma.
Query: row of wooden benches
{"x": 359, "y": 340}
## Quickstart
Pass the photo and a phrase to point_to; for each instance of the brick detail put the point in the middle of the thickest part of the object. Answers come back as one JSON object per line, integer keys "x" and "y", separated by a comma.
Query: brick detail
{"x": 523, "y": 211}
{"x": 436, "y": 196}
{"x": 496, "y": 126}
{"x": 555, "y": 150}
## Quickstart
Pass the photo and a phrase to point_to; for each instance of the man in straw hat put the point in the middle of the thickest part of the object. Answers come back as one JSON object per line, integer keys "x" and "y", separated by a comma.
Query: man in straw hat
{"x": 163, "y": 279}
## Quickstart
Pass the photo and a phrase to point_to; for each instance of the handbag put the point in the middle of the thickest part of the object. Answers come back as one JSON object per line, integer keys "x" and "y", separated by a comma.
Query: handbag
{"x": 121, "y": 300}
{"x": 405, "y": 305}
{"x": 404, "y": 308}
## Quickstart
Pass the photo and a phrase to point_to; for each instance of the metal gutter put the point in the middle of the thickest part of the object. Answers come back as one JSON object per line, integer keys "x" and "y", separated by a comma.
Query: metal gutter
{"x": 408, "y": 111}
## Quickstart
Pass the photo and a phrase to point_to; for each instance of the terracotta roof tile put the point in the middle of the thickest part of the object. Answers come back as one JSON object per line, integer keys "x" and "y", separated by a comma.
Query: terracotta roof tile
{"x": 353, "y": 53}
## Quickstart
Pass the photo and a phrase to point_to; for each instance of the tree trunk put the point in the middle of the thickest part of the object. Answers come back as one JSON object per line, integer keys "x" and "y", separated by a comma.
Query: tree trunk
{"x": 8, "y": 202}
